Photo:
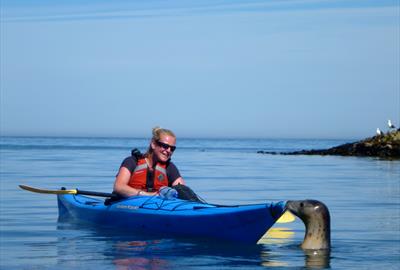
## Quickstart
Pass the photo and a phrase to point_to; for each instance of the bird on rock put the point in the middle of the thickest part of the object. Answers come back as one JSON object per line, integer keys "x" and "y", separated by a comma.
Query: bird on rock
{"x": 390, "y": 124}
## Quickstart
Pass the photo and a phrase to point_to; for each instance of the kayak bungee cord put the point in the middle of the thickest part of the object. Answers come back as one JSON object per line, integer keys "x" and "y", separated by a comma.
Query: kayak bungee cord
{"x": 165, "y": 198}
{"x": 164, "y": 202}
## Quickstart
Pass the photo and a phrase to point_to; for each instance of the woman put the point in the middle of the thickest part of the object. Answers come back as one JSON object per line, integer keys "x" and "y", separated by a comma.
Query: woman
{"x": 146, "y": 174}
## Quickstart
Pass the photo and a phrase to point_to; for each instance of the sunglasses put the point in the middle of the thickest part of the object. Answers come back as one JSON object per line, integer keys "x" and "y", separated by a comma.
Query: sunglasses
{"x": 165, "y": 146}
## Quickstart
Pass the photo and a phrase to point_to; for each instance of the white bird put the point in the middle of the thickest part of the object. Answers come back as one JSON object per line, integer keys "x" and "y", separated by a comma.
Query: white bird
{"x": 379, "y": 132}
{"x": 390, "y": 124}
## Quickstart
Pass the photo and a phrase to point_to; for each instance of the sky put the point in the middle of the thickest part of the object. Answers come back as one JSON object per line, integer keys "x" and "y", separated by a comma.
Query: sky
{"x": 211, "y": 68}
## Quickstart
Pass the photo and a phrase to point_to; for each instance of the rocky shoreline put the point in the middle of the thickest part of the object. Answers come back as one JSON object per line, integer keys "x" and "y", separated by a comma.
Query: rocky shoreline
{"x": 384, "y": 146}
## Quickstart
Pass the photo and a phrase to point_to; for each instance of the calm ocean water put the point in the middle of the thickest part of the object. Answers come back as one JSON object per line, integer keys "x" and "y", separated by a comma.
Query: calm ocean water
{"x": 363, "y": 195}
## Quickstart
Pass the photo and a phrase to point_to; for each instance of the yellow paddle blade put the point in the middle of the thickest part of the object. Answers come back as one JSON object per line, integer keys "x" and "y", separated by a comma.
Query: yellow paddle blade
{"x": 46, "y": 191}
{"x": 277, "y": 236}
{"x": 286, "y": 218}
{"x": 279, "y": 233}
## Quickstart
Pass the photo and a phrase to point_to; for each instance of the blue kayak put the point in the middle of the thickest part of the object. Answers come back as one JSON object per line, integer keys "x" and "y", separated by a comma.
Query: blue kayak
{"x": 155, "y": 215}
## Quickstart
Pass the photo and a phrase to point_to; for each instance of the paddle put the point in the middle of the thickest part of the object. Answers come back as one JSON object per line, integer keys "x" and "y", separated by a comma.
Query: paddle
{"x": 286, "y": 218}
{"x": 67, "y": 191}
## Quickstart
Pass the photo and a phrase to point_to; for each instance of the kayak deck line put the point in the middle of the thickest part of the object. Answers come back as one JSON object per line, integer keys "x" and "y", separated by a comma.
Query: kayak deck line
{"x": 159, "y": 206}
{"x": 165, "y": 202}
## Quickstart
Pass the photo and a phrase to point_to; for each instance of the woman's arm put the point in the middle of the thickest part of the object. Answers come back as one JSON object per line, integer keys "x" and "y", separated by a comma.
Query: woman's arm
{"x": 178, "y": 181}
{"x": 122, "y": 188}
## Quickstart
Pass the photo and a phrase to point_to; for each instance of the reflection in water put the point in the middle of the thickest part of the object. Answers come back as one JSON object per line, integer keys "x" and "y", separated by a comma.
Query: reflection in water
{"x": 140, "y": 263}
{"x": 137, "y": 252}
{"x": 275, "y": 236}
{"x": 318, "y": 259}
{"x": 129, "y": 262}
{"x": 135, "y": 245}
{"x": 268, "y": 260}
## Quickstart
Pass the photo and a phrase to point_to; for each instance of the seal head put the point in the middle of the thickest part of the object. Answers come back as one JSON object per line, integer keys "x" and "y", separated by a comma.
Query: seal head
{"x": 316, "y": 218}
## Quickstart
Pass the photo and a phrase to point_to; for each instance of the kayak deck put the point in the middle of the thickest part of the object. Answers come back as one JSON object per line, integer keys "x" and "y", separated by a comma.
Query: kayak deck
{"x": 152, "y": 214}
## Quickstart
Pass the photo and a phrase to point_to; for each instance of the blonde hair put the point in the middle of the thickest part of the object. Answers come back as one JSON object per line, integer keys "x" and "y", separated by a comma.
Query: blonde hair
{"x": 157, "y": 132}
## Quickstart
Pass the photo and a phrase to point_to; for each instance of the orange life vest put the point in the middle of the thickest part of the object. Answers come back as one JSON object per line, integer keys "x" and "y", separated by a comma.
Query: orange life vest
{"x": 141, "y": 176}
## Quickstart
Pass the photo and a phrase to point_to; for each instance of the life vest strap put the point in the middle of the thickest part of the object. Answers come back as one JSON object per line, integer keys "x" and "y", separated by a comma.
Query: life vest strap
{"x": 150, "y": 180}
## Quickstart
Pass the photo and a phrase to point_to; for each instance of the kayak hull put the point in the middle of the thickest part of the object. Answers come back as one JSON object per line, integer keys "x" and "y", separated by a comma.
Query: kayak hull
{"x": 243, "y": 223}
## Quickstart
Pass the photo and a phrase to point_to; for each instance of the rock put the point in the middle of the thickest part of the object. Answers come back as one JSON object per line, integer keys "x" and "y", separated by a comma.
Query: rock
{"x": 384, "y": 146}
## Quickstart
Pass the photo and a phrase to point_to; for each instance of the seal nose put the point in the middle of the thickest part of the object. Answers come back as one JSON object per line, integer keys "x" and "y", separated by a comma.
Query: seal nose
{"x": 289, "y": 205}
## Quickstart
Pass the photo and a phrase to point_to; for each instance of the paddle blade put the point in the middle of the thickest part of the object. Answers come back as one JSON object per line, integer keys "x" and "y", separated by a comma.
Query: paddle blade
{"x": 286, "y": 218}
{"x": 46, "y": 191}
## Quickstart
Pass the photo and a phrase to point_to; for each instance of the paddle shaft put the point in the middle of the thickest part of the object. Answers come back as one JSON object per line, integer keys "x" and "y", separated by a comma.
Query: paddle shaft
{"x": 95, "y": 193}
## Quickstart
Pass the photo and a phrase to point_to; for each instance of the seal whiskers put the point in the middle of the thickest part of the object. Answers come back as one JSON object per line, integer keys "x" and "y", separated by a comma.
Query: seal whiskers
{"x": 316, "y": 218}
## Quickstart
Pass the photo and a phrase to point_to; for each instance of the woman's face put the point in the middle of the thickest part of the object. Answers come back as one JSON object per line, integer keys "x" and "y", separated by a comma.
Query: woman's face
{"x": 164, "y": 147}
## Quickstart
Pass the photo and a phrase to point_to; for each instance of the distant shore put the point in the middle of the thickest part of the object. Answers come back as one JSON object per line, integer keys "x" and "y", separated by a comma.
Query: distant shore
{"x": 384, "y": 146}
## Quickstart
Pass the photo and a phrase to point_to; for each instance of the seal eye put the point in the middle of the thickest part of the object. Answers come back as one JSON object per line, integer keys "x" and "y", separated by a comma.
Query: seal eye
{"x": 301, "y": 204}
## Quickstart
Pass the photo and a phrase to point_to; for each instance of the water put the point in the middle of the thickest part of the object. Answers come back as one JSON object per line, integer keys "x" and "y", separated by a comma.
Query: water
{"x": 363, "y": 195}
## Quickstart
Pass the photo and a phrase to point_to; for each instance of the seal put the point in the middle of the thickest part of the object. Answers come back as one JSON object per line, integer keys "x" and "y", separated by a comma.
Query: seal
{"x": 316, "y": 218}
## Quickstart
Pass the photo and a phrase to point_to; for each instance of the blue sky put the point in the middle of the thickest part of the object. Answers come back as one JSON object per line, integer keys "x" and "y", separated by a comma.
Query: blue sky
{"x": 270, "y": 69}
